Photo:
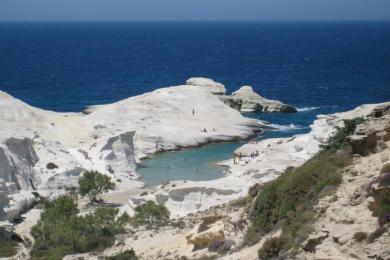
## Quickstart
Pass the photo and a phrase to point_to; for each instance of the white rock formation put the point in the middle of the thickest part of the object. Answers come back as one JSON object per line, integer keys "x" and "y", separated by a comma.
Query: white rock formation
{"x": 111, "y": 139}
{"x": 246, "y": 100}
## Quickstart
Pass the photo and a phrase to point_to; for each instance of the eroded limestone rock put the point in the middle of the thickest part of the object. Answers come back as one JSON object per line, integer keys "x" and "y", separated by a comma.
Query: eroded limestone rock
{"x": 119, "y": 151}
{"x": 201, "y": 238}
{"x": 251, "y": 101}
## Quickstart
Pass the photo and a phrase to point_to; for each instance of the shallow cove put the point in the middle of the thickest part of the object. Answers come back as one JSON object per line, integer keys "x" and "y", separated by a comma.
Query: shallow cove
{"x": 200, "y": 164}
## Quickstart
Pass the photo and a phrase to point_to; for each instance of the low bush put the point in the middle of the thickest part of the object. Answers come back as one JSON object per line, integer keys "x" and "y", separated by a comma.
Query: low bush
{"x": 51, "y": 166}
{"x": 251, "y": 236}
{"x": 151, "y": 213}
{"x": 271, "y": 248}
{"x": 61, "y": 231}
{"x": 125, "y": 255}
{"x": 8, "y": 247}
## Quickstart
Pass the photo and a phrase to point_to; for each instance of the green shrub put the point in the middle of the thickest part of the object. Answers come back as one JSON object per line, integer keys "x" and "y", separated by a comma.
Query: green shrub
{"x": 93, "y": 183}
{"x": 7, "y": 246}
{"x": 151, "y": 213}
{"x": 251, "y": 237}
{"x": 271, "y": 248}
{"x": 61, "y": 231}
{"x": 283, "y": 200}
{"x": 338, "y": 140}
{"x": 125, "y": 255}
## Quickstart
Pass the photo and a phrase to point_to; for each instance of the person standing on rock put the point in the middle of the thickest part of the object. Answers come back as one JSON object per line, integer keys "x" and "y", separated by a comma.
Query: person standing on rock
{"x": 193, "y": 112}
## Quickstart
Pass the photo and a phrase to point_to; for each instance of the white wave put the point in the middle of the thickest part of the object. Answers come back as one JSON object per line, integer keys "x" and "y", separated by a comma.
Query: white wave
{"x": 286, "y": 128}
{"x": 303, "y": 109}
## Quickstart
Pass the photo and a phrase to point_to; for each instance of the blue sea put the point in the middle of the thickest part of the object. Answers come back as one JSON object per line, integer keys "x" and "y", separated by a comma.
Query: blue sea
{"x": 320, "y": 67}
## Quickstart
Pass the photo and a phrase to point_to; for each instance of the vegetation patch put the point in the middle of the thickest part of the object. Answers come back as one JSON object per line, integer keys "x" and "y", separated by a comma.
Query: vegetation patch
{"x": 93, "y": 183}
{"x": 60, "y": 231}
{"x": 271, "y": 248}
{"x": 151, "y": 213}
{"x": 8, "y": 246}
{"x": 338, "y": 140}
{"x": 251, "y": 236}
{"x": 287, "y": 202}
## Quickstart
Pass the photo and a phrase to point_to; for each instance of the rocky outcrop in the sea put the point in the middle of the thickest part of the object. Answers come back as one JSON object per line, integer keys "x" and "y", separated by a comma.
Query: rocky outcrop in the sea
{"x": 246, "y": 100}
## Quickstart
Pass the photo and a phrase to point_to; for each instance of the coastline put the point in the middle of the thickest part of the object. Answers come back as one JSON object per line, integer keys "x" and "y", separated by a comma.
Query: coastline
{"x": 112, "y": 139}
{"x": 260, "y": 161}
{"x": 276, "y": 155}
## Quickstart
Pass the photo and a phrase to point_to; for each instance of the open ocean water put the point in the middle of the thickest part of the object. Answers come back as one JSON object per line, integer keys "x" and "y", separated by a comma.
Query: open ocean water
{"x": 320, "y": 67}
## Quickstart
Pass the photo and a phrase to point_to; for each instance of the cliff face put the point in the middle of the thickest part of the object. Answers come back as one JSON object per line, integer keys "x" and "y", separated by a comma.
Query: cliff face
{"x": 354, "y": 223}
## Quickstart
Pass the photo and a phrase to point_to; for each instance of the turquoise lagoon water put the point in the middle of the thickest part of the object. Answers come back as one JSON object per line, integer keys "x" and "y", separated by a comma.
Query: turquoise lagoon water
{"x": 187, "y": 164}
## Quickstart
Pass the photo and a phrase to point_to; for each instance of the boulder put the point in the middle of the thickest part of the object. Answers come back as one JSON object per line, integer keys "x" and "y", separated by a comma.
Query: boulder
{"x": 369, "y": 135}
{"x": 203, "y": 238}
{"x": 251, "y": 101}
{"x": 207, "y": 84}
{"x": 119, "y": 152}
{"x": 18, "y": 204}
{"x": 23, "y": 148}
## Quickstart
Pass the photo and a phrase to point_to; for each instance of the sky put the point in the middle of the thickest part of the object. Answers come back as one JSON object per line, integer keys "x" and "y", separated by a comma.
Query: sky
{"x": 199, "y": 10}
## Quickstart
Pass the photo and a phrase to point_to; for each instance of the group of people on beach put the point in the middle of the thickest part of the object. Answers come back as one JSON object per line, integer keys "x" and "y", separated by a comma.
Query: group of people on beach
{"x": 237, "y": 157}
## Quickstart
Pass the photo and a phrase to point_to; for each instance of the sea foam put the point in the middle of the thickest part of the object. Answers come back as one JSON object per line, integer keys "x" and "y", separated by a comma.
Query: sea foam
{"x": 304, "y": 109}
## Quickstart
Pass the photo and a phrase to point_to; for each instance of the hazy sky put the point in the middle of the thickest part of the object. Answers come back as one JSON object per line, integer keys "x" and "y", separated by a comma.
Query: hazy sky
{"x": 194, "y": 10}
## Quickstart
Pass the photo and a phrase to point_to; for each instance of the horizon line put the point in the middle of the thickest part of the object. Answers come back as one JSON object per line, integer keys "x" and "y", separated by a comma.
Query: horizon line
{"x": 200, "y": 21}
